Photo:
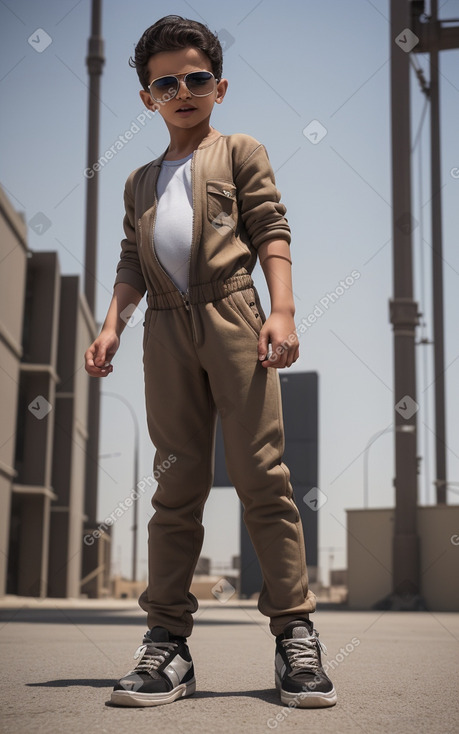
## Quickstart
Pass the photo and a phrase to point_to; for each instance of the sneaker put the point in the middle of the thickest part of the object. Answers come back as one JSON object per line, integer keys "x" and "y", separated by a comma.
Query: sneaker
{"x": 164, "y": 672}
{"x": 299, "y": 674}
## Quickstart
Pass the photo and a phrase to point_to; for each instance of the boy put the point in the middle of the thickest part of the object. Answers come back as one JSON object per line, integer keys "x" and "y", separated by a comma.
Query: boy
{"x": 196, "y": 219}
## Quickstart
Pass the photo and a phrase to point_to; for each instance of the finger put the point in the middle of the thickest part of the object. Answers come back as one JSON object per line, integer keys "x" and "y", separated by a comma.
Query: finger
{"x": 279, "y": 355}
{"x": 90, "y": 366}
{"x": 263, "y": 346}
{"x": 274, "y": 360}
{"x": 105, "y": 371}
{"x": 97, "y": 363}
{"x": 99, "y": 371}
{"x": 268, "y": 361}
{"x": 89, "y": 358}
{"x": 100, "y": 358}
{"x": 292, "y": 356}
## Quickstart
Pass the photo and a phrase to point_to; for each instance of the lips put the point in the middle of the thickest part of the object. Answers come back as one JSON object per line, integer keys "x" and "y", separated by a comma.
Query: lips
{"x": 185, "y": 108}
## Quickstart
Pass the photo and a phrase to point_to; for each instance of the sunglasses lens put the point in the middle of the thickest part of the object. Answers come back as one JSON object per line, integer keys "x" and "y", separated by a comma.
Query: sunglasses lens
{"x": 200, "y": 83}
{"x": 166, "y": 85}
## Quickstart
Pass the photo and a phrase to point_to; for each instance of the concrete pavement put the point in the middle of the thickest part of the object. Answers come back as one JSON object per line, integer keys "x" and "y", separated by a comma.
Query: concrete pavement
{"x": 393, "y": 671}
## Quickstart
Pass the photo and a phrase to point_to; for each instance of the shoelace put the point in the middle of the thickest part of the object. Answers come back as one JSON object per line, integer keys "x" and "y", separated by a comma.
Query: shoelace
{"x": 302, "y": 652}
{"x": 152, "y": 655}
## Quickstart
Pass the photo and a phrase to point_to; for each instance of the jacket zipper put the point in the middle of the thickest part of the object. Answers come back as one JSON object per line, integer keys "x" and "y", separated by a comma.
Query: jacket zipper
{"x": 193, "y": 200}
{"x": 184, "y": 296}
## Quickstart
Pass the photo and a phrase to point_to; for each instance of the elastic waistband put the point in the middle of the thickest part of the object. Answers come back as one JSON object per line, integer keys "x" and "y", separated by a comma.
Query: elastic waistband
{"x": 201, "y": 293}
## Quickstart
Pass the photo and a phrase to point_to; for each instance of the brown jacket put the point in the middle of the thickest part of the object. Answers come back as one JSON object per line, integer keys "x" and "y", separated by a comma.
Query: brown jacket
{"x": 236, "y": 207}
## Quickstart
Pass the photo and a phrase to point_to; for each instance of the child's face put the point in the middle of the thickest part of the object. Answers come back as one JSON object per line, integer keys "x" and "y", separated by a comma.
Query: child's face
{"x": 176, "y": 63}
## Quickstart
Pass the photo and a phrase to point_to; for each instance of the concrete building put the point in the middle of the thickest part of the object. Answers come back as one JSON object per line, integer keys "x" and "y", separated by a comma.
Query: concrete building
{"x": 13, "y": 254}
{"x": 45, "y": 327}
{"x": 300, "y": 408}
{"x": 369, "y": 556}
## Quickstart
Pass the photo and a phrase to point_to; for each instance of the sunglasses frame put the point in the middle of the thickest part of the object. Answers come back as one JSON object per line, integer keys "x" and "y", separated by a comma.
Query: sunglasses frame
{"x": 176, "y": 77}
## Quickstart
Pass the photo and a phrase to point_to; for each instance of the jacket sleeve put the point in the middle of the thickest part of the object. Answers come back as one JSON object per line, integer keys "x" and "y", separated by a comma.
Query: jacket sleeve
{"x": 129, "y": 269}
{"x": 259, "y": 199}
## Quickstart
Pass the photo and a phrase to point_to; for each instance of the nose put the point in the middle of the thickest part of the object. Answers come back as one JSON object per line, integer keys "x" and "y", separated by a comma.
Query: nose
{"x": 183, "y": 91}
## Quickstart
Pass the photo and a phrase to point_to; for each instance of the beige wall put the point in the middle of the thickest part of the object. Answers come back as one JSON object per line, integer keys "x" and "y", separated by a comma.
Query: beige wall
{"x": 45, "y": 327}
{"x": 369, "y": 544}
{"x": 32, "y": 488}
{"x": 13, "y": 256}
{"x": 122, "y": 588}
{"x": 76, "y": 331}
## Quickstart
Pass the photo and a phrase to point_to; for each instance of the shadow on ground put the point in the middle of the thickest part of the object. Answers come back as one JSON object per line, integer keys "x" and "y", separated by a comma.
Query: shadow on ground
{"x": 89, "y": 616}
{"x": 269, "y": 695}
{"x": 67, "y": 682}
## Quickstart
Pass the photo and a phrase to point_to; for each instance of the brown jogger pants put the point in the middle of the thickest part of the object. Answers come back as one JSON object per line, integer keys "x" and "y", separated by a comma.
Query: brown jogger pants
{"x": 198, "y": 360}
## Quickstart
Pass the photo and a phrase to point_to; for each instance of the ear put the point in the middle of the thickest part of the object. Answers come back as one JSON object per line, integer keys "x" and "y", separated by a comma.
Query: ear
{"x": 149, "y": 103}
{"x": 222, "y": 87}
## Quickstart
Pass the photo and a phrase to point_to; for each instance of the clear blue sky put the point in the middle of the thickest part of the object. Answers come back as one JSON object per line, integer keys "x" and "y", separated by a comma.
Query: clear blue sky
{"x": 287, "y": 64}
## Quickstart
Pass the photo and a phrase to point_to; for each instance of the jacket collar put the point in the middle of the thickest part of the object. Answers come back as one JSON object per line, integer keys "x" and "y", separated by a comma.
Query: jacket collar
{"x": 210, "y": 138}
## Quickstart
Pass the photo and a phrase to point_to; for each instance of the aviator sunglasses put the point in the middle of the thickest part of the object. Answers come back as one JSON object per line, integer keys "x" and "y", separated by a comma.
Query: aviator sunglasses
{"x": 199, "y": 84}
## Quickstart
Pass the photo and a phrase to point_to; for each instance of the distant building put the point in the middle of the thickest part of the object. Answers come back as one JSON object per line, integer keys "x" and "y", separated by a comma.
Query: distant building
{"x": 45, "y": 328}
{"x": 203, "y": 566}
{"x": 300, "y": 407}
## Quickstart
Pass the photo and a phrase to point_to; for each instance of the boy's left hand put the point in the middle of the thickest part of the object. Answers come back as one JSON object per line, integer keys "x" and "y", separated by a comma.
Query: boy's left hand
{"x": 278, "y": 330}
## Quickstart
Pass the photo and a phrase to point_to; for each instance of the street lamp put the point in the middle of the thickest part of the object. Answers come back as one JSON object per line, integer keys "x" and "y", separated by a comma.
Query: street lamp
{"x": 136, "y": 475}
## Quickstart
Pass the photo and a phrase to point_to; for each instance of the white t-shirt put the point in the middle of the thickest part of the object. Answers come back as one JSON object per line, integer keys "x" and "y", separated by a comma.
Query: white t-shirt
{"x": 174, "y": 219}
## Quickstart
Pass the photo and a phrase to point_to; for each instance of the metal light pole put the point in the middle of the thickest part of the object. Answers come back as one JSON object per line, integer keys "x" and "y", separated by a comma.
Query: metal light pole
{"x": 95, "y": 61}
{"x": 136, "y": 477}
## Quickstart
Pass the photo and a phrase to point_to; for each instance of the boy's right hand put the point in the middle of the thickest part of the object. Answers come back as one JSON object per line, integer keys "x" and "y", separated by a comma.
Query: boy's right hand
{"x": 100, "y": 354}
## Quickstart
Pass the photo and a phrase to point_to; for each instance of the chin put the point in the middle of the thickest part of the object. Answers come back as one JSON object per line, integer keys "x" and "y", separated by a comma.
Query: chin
{"x": 187, "y": 123}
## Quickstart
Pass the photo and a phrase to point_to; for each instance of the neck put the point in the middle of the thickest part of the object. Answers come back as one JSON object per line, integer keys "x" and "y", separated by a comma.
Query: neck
{"x": 184, "y": 141}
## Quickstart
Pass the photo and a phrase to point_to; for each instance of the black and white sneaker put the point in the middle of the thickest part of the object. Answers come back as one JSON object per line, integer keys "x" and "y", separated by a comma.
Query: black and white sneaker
{"x": 299, "y": 674}
{"x": 164, "y": 672}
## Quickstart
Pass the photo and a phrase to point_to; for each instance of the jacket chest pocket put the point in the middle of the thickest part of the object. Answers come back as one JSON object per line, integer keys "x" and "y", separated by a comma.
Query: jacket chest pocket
{"x": 221, "y": 203}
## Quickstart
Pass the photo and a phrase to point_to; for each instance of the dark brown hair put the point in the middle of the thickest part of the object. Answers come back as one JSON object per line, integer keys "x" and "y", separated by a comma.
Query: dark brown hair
{"x": 170, "y": 34}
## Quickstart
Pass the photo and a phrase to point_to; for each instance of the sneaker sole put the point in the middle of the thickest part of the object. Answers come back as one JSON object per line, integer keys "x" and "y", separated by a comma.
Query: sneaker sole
{"x": 134, "y": 698}
{"x": 303, "y": 700}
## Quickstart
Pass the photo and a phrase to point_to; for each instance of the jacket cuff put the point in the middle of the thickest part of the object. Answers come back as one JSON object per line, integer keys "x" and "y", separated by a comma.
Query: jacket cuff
{"x": 276, "y": 233}
{"x": 132, "y": 278}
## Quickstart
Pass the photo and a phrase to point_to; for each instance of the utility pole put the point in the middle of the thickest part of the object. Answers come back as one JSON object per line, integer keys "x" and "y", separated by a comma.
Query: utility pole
{"x": 434, "y": 36}
{"x": 412, "y": 31}
{"x": 404, "y": 318}
{"x": 437, "y": 262}
{"x": 95, "y": 61}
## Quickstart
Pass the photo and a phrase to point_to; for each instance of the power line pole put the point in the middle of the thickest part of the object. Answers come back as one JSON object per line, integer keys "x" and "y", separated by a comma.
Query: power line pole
{"x": 437, "y": 264}
{"x": 404, "y": 318}
{"x": 434, "y": 36}
{"x": 409, "y": 33}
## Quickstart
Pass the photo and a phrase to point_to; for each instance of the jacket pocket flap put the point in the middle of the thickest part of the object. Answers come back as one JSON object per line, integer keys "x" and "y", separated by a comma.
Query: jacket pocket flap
{"x": 222, "y": 188}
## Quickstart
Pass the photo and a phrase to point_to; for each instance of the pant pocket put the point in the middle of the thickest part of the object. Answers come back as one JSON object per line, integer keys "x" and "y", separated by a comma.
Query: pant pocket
{"x": 150, "y": 317}
{"x": 247, "y": 304}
